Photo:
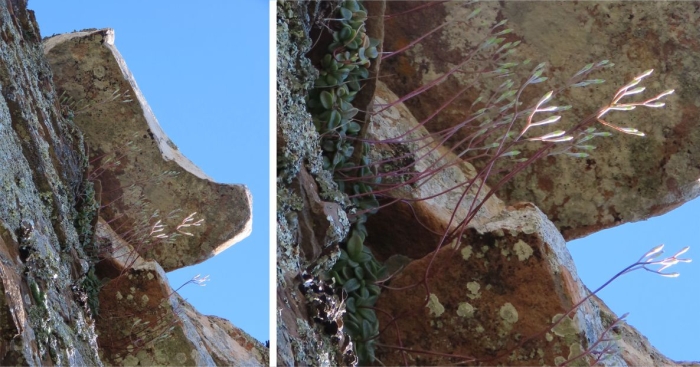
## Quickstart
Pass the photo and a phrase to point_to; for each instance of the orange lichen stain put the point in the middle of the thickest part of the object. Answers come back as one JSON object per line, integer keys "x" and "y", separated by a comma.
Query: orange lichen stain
{"x": 570, "y": 284}
{"x": 545, "y": 183}
{"x": 405, "y": 68}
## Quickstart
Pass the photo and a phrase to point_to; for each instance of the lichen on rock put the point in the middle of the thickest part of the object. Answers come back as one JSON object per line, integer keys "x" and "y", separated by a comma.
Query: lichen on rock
{"x": 311, "y": 217}
{"x": 53, "y": 267}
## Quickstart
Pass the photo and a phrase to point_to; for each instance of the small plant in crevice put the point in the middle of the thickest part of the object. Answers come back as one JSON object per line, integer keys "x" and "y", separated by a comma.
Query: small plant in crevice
{"x": 342, "y": 70}
{"x": 357, "y": 272}
{"x": 503, "y": 136}
{"x": 196, "y": 280}
{"x": 92, "y": 285}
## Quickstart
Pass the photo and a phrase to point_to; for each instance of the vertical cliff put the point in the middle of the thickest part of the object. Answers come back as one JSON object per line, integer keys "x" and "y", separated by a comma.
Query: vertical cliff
{"x": 43, "y": 162}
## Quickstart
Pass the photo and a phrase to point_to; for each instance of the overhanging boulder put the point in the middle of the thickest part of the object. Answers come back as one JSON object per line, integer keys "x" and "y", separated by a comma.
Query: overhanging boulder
{"x": 140, "y": 171}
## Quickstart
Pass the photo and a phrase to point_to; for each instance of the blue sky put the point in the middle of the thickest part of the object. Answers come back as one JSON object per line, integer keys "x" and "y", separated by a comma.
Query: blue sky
{"x": 665, "y": 310}
{"x": 204, "y": 70}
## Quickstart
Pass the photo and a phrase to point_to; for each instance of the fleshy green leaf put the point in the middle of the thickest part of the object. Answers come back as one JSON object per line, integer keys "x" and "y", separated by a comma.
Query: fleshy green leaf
{"x": 345, "y": 13}
{"x": 354, "y": 246}
{"x": 334, "y": 120}
{"x": 352, "y": 327}
{"x": 350, "y": 304}
{"x": 328, "y": 146}
{"x": 364, "y": 257}
{"x": 368, "y": 315}
{"x": 359, "y": 273}
{"x": 353, "y": 127}
{"x": 374, "y": 289}
{"x": 366, "y": 330}
{"x": 351, "y": 285}
{"x": 327, "y": 99}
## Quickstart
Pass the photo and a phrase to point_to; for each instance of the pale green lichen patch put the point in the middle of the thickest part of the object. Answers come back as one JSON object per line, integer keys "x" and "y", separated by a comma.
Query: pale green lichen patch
{"x": 473, "y": 288}
{"x": 465, "y": 309}
{"x": 522, "y": 250}
{"x": 505, "y": 252}
{"x": 480, "y": 254}
{"x": 565, "y": 327}
{"x": 548, "y": 337}
{"x": 466, "y": 252}
{"x": 436, "y": 308}
{"x": 508, "y": 313}
{"x": 575, "y": 350}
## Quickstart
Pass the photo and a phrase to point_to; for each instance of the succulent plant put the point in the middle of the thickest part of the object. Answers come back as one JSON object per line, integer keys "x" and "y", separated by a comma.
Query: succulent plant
{"x": 341, "y": 73}
{"x": 357, "y": 271}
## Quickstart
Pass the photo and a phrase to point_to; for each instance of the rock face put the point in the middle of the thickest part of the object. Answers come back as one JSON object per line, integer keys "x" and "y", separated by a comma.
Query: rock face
{"x": 310, "y": 219}
{"x": 140, "y": 170}
{"x": 495, "y": 298}
{"x": 42, "y": 257}
{"x": 70, "y": 271}
{"x": 165, "y": 329}
{"x": 430, "y": 202}
{"x": 498, "y": 296}
{"x": 628, "y": 178}
{"x": 492, "y": 299}
{"x": 506, "y": 293}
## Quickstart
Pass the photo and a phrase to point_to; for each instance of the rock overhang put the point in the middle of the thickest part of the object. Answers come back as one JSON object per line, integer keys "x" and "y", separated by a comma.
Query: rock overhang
{"x": 152, "y": 175}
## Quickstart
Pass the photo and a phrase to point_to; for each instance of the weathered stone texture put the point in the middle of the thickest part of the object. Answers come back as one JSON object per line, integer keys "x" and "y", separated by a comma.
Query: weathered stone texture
{"x": 40, "y": 176}
{"x": 48, "y": 217}
{"x": 164, "y": 329}
{"x": 139, "y": 168}
{"x": 494, "y": 296}
{"x": 504, "y": 285}
{"x": 429, "y": 203}
{"x": 310, "y": 220}
{"x": 509, "y": 279}
{"x": 627, "y": 178}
